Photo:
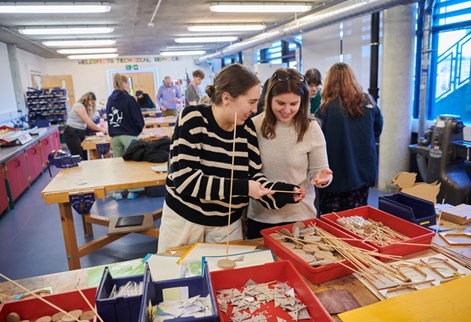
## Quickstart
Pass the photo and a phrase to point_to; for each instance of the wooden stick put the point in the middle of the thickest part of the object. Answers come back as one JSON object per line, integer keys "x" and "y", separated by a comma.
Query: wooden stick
{"x": 230, "y": 189}
{"x": 88, "y": 302}
{"x": 438, "y": 223}
{"x": 39, "y": 297}
{"x": 283, "y": 191}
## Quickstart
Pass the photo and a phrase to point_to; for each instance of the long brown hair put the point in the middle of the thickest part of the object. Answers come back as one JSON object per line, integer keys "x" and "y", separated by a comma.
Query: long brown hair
{"x": 287, "y": 80}
{"x": 87, "y": 101}
{"x": 340, "y": 83}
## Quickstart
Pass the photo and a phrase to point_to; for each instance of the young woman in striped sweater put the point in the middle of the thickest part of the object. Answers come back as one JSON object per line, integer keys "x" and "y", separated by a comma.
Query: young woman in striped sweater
{"x": 198, "y": 182}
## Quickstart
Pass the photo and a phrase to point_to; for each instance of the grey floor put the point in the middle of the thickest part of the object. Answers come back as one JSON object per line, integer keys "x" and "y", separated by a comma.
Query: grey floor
{"x": 31, "y": 241}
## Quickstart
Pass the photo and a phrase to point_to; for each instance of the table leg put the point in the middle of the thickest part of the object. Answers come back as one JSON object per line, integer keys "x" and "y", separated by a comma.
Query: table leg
{"x": 70, "y": 239}
{"x": 87, "y": 226}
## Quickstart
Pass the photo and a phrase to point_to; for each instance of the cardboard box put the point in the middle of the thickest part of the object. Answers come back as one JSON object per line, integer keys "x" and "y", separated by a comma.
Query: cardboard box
{"x": 32, "y": 309}
{"x": 417, "y": 234}
{"x": 282, "y": 271}
{"x": 460, "y": 214}
{"x": 318, "y": 274}
{"x": 405, "y": 181}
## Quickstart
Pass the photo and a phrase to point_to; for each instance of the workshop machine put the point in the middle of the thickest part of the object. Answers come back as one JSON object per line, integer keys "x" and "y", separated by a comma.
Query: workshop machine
{"x": 443, "y": 156}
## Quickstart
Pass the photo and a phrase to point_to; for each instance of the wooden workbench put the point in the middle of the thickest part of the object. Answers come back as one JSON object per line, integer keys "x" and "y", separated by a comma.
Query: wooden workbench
{"x": 160, "y": 121}
{"x": 148, "y": 134}
{"x": 99, "y": 177}
{"x": 65, "y": 281}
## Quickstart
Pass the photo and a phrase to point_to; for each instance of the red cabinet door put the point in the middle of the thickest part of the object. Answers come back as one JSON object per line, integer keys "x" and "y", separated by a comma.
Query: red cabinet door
{"x": 17, "y": 175}
{"x": 56, "y": 140}
{"x": 3, "y": 193}
{"x": 46, "y": 148}
{"x": 34, "y": 161}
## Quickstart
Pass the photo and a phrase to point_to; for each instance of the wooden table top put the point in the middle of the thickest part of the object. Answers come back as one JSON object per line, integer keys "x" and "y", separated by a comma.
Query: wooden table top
{"x": 160, "y": 121}
{"x": 148, "y": 134}
{"x": 100, "y": 176}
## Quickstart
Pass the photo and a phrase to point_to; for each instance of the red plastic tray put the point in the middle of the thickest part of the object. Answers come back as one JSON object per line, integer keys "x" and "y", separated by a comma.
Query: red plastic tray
{"x": 315, "y": 274}
{"x": 417, "y": 234}
{"x": 31, "y": 309}
{"x": 282, "y": 271}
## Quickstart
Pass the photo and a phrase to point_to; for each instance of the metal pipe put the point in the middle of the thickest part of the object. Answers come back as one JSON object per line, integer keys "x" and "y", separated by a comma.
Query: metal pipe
{"x": 335, "y": 14}
{"x": 374, "y": 56}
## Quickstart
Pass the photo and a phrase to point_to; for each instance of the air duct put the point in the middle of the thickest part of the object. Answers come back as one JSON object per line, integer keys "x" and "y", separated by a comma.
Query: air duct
{"x": 335, "y": 14}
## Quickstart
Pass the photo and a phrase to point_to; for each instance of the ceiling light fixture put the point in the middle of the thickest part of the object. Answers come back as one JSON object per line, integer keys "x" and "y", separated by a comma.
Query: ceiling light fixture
{"x": 66, "y": 31}
{"x": 183, "y": 53}
{"x": 87, "y": 51}
{"x": 55, "y": 7}
{"x": 226, "y": 27}
{"x": 205, "y": 39}
{"x": 184, "y": 47}
{"x": 98, "y": 56}
{"x": 281, "y": 7}
{"x": 79, "y": 43}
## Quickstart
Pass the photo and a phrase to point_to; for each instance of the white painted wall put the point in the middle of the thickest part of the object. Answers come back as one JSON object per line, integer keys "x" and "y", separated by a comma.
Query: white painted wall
{"x": 93, "y": 77}
{"x": 8, "y": 109}
{"x": 30, "y": 64}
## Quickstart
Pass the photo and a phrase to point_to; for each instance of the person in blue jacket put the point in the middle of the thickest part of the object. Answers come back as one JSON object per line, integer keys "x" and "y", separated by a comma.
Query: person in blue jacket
{"x": 352, "y": 123}
{"x": 125, "y": 120}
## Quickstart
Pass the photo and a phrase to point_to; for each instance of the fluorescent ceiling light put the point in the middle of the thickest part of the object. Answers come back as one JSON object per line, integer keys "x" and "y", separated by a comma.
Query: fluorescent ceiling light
{"x": 87, "y": 51}
{"x": 54, "y": 7}
{"x": 79, "y": 43}
{"x": 282, "y": 7}
{"x": 226, "y": 27}
{"x": 97, "y": 56}
{"x": 184, "y": 47}
{"x": 205, "y": 39}
{"x": 182, "y": 53}
{"x": 66, "y": 31}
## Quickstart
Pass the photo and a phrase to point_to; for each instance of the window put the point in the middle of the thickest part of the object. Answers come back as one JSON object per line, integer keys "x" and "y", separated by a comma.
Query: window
{"x": 282, "y": 51}
{"x": 450, "y": 86}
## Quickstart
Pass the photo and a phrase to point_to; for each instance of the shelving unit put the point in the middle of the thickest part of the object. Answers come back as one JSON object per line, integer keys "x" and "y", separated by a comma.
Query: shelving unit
{"x": 47, "y": 106}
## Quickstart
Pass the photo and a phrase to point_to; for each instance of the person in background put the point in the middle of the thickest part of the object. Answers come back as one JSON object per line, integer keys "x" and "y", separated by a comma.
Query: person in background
{"x": 80, "y": 118}
{"x": 144, "y": 100}
{"x": 286, "y": 129}
{"x": 193, "y": 92}
{"x": 199, "y": 183}
{"x": 314, "y": 81}
{"x": 351, "y": 122}
{"x": 125, "y": 121}
{"x": 168, "y": 97}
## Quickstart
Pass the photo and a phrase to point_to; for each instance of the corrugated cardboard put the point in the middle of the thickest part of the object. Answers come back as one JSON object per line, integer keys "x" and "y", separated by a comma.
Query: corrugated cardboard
{"x": 405, "y": 181}
{"x": 460, "y": 214}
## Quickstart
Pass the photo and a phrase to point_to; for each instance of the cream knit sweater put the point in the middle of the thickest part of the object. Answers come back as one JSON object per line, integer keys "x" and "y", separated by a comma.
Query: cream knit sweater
{"x": 285, "y": 159}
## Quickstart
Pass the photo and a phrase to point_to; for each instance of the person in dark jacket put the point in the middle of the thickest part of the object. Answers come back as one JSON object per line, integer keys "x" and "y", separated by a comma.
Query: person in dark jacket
{"x": 125, "y": 121}
{"x": 351, "y": 122}
{"x": 144, "y": 100}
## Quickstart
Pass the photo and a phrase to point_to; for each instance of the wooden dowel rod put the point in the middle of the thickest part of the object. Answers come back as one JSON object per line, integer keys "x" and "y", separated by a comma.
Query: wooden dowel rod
{"x": 88, "y": 302}
{"x": 39, "y": 297}
{"x": 230, "y": 189}
{"x": 283, "y": 191}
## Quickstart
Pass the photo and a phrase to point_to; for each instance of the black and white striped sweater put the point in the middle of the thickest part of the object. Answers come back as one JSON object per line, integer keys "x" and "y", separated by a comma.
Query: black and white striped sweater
{"x": 198, "y": 182}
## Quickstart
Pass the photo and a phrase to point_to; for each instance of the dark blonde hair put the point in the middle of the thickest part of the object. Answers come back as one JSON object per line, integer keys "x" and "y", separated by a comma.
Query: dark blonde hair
{"x": 119, "y": 80}
{"x": 234, "y": 79}
{"x": 286, "y": 80}
{"x": 340, "y": 83}
{"x": 87, "y": 101}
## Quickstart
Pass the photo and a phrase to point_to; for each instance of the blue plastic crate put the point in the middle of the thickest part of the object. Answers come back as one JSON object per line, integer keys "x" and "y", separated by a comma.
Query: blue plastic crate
{"x": 117, "y": 309}
{"x": 197, "y": 285}
{"x": 413, "y": 209}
